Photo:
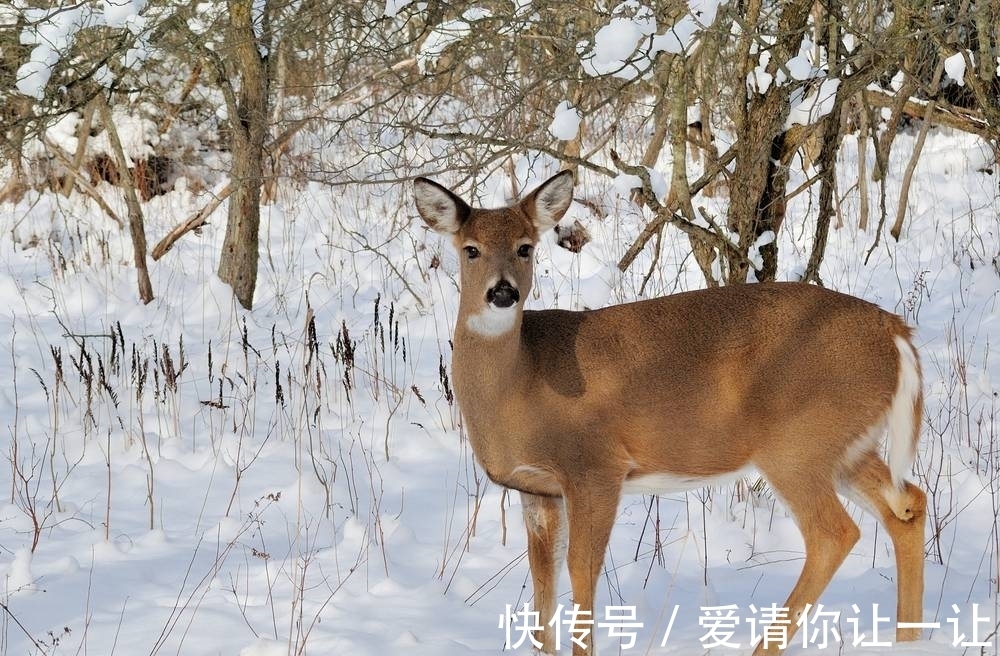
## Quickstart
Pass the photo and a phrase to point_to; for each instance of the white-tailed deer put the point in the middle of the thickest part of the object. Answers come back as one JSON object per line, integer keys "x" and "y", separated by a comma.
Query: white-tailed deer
{"x": 573, "y": 409}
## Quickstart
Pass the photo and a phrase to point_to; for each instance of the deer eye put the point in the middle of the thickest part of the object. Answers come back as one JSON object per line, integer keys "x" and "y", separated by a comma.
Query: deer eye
{"x": 471, "y": 252}
{"x": 524, "y": 250}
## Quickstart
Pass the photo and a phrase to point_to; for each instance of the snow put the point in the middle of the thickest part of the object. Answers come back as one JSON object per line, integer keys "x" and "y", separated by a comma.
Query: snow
{"x": 817, "y": 102}
{"x": 393, "y": 7}
{"x": 624, "y": 184}
{"x": 52, "y": 31}
{"x": 566, "y": 122}
{"x": 34, "y": 74}
{"x": 626, "y": 46}
{"x": 304, "y": 502}
{"x": 765, "y": 238}
{"x": 954, "y": 66}
{"x": 759, "y": 80}
{"x": 119, "y": 13}
{"x": 800, "y": 67}
{"x": 18, "y": 577}
{"x": 445, "y": 34}
{"x": 616, "y": 41}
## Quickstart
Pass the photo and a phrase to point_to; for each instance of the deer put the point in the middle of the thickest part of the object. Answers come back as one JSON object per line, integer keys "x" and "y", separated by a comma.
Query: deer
{"x": 574, "y": 409}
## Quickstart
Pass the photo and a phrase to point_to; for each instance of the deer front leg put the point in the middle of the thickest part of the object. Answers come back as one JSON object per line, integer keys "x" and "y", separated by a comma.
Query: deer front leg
{"x": 545, "y": 521}
{"x": 591, "y": 511}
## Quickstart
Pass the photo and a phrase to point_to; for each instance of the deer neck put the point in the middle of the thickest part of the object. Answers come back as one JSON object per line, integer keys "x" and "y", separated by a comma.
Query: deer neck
{"x": 486, "y": 366}
{"x": 487, "y": 371}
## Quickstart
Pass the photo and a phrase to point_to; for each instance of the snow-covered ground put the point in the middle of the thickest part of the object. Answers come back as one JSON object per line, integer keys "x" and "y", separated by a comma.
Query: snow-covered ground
{"x": 190, "y": 478}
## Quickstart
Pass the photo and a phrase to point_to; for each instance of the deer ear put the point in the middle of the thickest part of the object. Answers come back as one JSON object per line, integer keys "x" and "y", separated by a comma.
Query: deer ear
{"x": 547, "y": 204}
{"x": 440, "y": 209}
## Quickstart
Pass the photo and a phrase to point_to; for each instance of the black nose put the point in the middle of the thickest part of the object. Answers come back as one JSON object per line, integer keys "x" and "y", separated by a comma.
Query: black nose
{"x": 502, "y": 295}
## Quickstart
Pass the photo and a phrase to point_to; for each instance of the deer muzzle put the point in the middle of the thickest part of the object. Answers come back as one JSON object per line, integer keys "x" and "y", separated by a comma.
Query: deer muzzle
{"x": 502, "y": 295}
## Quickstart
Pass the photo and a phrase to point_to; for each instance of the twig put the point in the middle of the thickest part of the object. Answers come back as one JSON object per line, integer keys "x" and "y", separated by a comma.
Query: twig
{"x": 38, "y": 645}
{"x": 665, "y": 214}
{"x": 660, "y": 218}
{"x": 936, "y": 112}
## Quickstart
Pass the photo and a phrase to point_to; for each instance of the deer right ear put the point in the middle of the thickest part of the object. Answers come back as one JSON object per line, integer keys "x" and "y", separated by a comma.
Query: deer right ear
{"x": 440, "y": 209}
{"x": 547, "y": 204}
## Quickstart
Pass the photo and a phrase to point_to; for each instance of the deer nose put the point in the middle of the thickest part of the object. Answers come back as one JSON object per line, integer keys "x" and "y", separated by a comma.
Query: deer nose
{"x": 502, "y": 294}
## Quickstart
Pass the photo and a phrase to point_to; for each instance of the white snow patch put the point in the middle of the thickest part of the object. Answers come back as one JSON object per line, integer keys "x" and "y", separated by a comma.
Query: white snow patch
{"x": 624, "y": 184}
{"x": 954, "y": 66}
{"x": 814, "y": 105}
{"x": 18, "y": 577}
{"x": 616, "y": 41}
{"x": 118, "y": 13}
{"x": 393, "y": 7}
{"x": 566, "y": 122}
{"x": 447, "y": 33}
{"x": 265, "y": 647}
{"x": 765, "y": 238}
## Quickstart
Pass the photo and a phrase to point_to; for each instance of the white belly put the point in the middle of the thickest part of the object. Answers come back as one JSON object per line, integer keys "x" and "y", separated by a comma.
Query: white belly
{"x": 665, "y": 483}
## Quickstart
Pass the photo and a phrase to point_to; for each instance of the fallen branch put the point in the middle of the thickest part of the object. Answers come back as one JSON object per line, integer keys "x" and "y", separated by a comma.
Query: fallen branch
{"x": 942, "y": 114}
{"x": 196, "y": 221}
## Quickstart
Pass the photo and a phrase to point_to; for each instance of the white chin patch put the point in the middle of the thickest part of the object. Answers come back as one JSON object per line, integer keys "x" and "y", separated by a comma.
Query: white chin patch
{"x": 493, "y": 321}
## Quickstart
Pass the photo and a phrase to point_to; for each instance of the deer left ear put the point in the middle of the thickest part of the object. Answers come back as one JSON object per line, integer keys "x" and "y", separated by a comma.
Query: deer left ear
{"x": 440, "y": 209}
{"x": 547, "y": 204}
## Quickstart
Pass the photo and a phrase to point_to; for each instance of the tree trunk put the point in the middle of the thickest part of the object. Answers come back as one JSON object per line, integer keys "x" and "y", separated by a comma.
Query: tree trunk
{"x": 136, "y": 223}
{"x": 757, "y": 187}
{"x": 248, "y": 130}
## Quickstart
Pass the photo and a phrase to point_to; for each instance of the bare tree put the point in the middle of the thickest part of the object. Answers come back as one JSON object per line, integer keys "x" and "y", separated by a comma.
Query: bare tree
{"x": 248, "y": 112}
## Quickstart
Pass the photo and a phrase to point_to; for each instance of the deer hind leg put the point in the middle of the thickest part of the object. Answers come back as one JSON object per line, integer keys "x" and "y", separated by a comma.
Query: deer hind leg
{"x": 902, "y": 512}
{"x": 591, "y": 510}
{"x": 828, "y": 533}
{"x": 545, "y": 519}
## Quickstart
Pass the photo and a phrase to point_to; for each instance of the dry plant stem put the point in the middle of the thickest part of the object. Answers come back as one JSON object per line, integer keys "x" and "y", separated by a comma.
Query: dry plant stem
{"x": 150, "y": 497}
{"x": 911, "y": 166}
{"x": 38, "y": 645}
{"x": 107, "y": 505}
{"x": 55, "y": 434}
{"x": 13, "y": 452}
{"x": 135, "y": 218}
{"x": 183, "y": 602}
{"x": 897, "y": 226}
{"x": 319, "y": 610}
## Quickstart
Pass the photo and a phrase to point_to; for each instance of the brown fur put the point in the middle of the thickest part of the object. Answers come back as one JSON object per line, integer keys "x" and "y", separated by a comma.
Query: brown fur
{"x": 788, "y": 378}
